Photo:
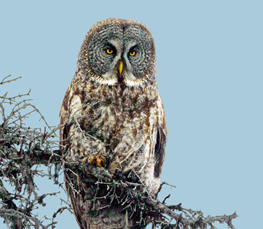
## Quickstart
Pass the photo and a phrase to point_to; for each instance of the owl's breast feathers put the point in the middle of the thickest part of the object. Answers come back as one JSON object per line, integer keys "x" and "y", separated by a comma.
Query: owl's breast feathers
{"x": 130, "y": 121}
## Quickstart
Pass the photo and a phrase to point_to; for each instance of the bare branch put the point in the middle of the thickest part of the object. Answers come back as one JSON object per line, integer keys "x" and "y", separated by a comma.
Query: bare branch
{"x": 9, "y": 81}
{"x": 13, "y": 98}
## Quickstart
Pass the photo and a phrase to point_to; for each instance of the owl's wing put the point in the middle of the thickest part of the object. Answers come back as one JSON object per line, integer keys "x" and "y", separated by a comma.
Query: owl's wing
{"x": 64, "y": 134}
{"x": 159, "y": 151}
{"x": 75, "y": 202}
{"x": 64, "y": 117}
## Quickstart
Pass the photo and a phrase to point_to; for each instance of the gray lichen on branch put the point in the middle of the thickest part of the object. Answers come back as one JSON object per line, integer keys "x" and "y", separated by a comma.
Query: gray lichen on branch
{"x": 13, "y": 98}
{"x": 23, "y": 148}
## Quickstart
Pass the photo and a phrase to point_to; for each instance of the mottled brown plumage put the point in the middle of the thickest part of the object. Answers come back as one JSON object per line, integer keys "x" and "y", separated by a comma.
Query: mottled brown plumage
{"x": 115, "y": 113}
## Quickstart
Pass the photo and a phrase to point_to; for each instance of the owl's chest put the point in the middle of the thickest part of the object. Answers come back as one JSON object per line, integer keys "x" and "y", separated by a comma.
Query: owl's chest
{"x": 110, "y": 122}
{"x": 111, "y": 113}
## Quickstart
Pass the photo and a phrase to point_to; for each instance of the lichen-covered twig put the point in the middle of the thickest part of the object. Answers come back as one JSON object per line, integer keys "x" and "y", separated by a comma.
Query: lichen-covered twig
{"x": 13, "y": 98}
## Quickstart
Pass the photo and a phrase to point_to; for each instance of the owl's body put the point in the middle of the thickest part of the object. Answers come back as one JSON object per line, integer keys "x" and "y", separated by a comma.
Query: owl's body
{"x": 115, "y": 111}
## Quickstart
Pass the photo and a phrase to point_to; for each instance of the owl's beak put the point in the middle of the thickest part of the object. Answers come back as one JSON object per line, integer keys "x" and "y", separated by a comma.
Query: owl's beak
{"x": 120, "y": 66}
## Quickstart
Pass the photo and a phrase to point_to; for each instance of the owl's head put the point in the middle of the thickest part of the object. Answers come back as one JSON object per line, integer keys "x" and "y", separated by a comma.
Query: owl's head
{"x": 117, "y": 51}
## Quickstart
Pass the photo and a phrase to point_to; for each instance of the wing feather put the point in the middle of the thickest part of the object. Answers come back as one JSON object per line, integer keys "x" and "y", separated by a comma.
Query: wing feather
{"x": 160, "y": 141}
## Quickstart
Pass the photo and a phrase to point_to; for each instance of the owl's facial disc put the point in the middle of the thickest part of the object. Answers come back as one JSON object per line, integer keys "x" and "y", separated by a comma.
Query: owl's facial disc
{"x": 121, "y": 54}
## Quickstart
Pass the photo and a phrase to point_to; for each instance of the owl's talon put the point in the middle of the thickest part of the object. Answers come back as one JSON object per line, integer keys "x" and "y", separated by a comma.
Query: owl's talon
{"x": 91, "y": 159}
{"x": 101, "y": 161}
{"x": 95, "y": 160}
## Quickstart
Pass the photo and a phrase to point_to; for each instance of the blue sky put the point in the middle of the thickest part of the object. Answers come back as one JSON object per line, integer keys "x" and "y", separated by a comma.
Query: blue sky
{"x": 210, "y": 77}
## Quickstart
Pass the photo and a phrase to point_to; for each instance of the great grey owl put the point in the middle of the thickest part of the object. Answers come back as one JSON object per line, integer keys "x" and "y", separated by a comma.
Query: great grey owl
{"x": 114, "y": 114}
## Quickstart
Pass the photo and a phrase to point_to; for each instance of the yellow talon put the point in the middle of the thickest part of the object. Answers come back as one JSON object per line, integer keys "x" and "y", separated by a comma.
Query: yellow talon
{"x": 101, "y": 161}
{"x": 95, "y": 160}
{"x": 91, "y": 159}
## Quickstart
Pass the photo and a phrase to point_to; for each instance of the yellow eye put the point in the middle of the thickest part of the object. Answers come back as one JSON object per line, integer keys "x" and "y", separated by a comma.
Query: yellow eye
{"x": 132, "y": 53}
{"x": 109, "y": 51}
